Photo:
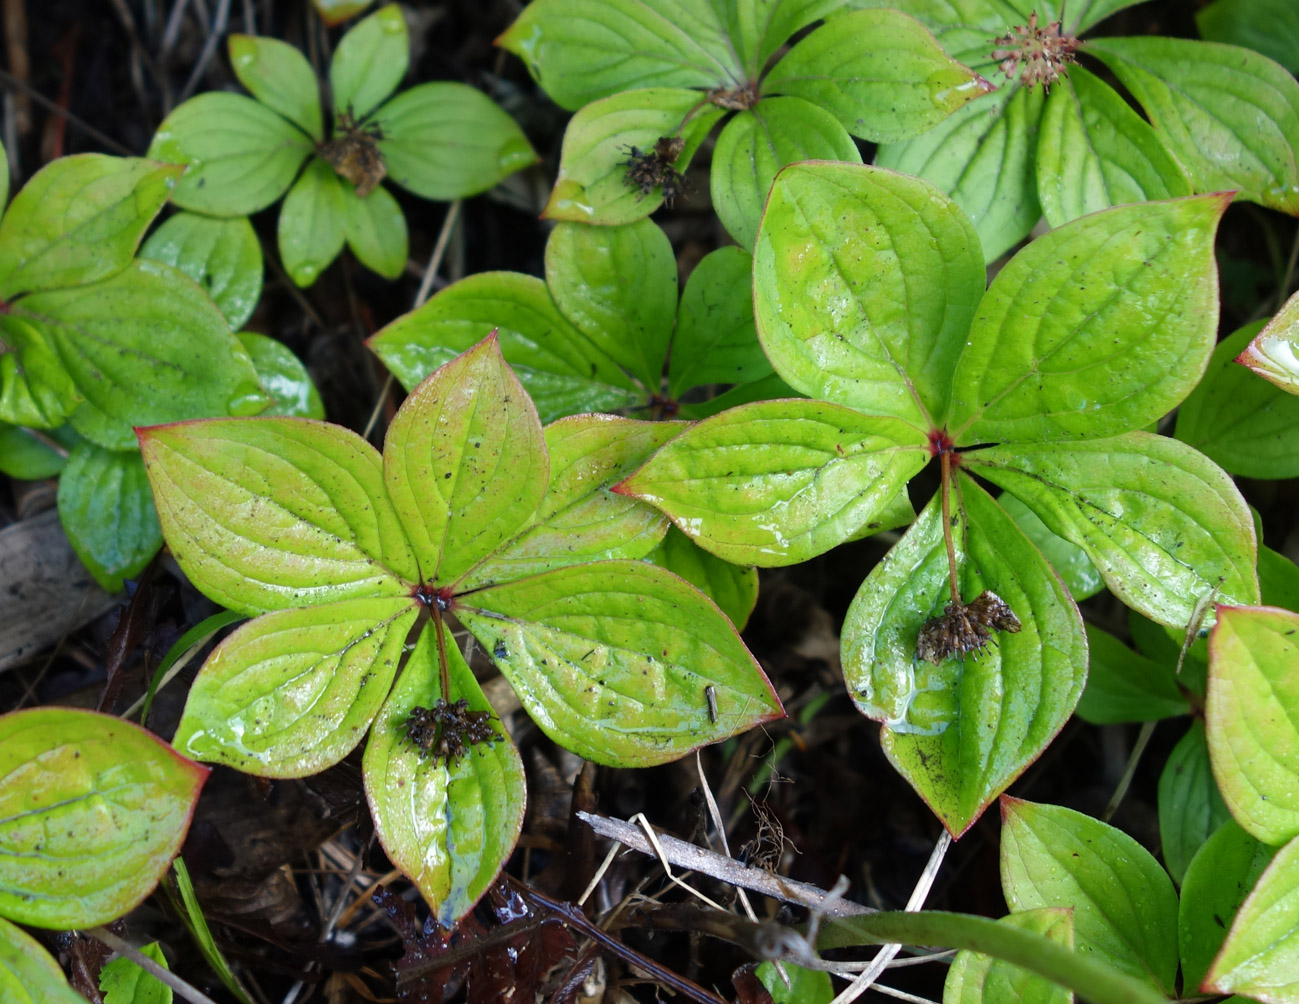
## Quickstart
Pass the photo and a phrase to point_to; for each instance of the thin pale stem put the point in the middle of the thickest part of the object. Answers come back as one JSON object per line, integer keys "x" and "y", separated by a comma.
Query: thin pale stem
{"x": 945, "y": 458}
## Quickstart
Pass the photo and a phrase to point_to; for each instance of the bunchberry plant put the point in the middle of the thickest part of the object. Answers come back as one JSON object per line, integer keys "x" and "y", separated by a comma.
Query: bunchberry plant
{"x": 438, "y": 140}
{"x": 1273, "y": 354}
{"x": 1055, "y": 140}
{"x": 869, "y": 298}
{"x": 355, "y": 564}
{"x": 651, "y": 82}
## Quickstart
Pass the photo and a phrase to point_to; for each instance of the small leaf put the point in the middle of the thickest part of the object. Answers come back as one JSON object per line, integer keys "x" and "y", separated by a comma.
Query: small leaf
{"x": 449, "y": 825}
{"x": 756, "y": 144}
{"x": 335, "y": 12}
{"x": 1162, "y": 524}
{"x": 222, "y": 256}
{"x": 734, "y": 588}
{"x": 1124, "y": 905}
{"x": 865, "y": 283}
{"x": 1258, "y": 957}
{"x": 1274, "y": 352}
{"x": 592, "y": 185}
{"x": 580, "y": 51}
{"x": 28, "y": 458}
{"x": 283, "y": 376}
{"x": 465, "y": 463}
{"x": 107, "y": 512}
{"x": 1250, "y": 714}
{"x": 1219, "y": 878}
{"x": 78, "y": 220}
{"x": 313, "y": 223}
{"x": 715, "y": 341}
{"x": 369, "y": 62}
{"x": 276, "y": 513}
{"x": 376, "y": 231}
{"x": 292, "y": 692}
{"x": 1068, "y": 559}
{"x": 279, "y": 76}
{"x": 241, "y": 155}
{"x": 981, "y": 979}
{"x": 448, "y": 141}
{"x": 806, "y": 986}
{"x": 962, "y": 731}
{"x": 618, "y": 286}
{"x": 35, "y": 389}
{"x": 123, "y": 982}
{"x": 778, "y": 482}
{"x": 93, "y": 810}
{"x": 28, "y": 973}
{"x": 1267, "y": 26}
{"x": 1190, "y": 808}
{"x": 1125, "y": 686}
{"x": 613, "y": 659}
{"x": 1096, "y": 152}
{"x": 1228, "y": 114}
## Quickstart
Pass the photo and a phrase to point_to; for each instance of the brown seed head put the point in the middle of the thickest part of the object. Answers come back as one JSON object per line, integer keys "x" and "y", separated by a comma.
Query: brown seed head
{"x": 965, "y": 627}
{"x": 448, "y": 730}
{"x": 1036, "y": 55}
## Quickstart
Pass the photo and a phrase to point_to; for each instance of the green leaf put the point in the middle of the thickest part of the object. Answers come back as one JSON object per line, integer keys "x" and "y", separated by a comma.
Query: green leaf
{"x": 1278, "y": 580}
{"x": 241, "y": 155}
{"x": 335, "y": 12}
{"x": 1163, "y": 525}
{"x": 448, "y": 825}
{"x": 1228, "y": 114}
{"x": 582, "y": 50}
{"x": 806, "y": 986}
{"x": 1260, "y": 956}
{"x": 766, "y": 388}
{"x": 879, "y": 72}
{"x": 592, "y": 185}
{"x": 292, "y": 692}
{"x": 1267, "y": 26}
{"x": 613, "y": 660}
{"x": 93, "y": 810}
{"x": 734, "y": 588}
{"x": 982, "y": 979}
{"x": 369, "y": 62}
{"x": 778, "y": 482}
{"x": 758, "y": 28}
{"x": 107, "y": 513}
{"x": 222, "y": 256}
{"x": 28, "y": 973}
{"x": 1190, "y": 808}
{"x": 618, "y": 286}
{"x": 715, "y": 341}
{"x": 35, "y": 389}
{"x": 78, "y": 220}
{"x": 756, "y": 144}
{"x": 279, "y": 76}
{"x": 283, "y": 376}
{"x": 123, "y": 982}
{"x": 465, "y": 463}
{"x": 1251, "y": 715}
{"x": 562, "y": 371}
{"x": 1068, "y": 559}
{"x": 4, "y": 177}
{"x": 376, "y": 231}
{"x": 580, "y": 519}
{"x": 28, "y": 458}
{"x": 448, "y": 141}
{"x": 1124, "y": 905}
{"x": 963, "y": 730}
{"x": 1219, "y": 878}
{"x": 865, "y": 283}
{"x": 1097, "y": 328}
{"x": 1096, "y": 152}
{"x": 983, "y": 157}
{"x": 313, "y": 223}
{"x": 144, "y": 347}
{"x": 1125, "y": 686}
{"x": 1274, "y": 352}
{"x": 276, "y": 513}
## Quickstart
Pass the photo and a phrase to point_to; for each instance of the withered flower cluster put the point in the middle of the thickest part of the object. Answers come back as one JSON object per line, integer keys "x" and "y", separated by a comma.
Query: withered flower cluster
{"x": 353, "y": 153}
{"x": 1036, "y": 55}
{"x": 449, "y": 730}
{"x": 965, "y": 627}
{"x": 648, "y": 169}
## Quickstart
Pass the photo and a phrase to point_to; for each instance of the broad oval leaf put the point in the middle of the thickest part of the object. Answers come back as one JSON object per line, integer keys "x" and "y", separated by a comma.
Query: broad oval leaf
{"x": 465, "y": 463}
{"x": 1190, "y": 808}
{"x": 618, "y": 286}
{"x": 756, "y": 144}
{"x": 93, "y": 810}
{"x": 1068, "y": 559}
{"x": 734, "y": 588}
{"x": 1097, "y": 328}
{"x": 279, "y": 76}
{"x": 1267, "y": 26}
{"x": 241, "y": 155}
{"x": 865, "y": 283}
{"x": 614, "y": 661}
{"x": 449, "y": 825}
{"x": 222, "y": 256}
{"x": 270, "y": 514}
{"x": 1251, "y": 718}
{"x": 107, "y": 512}
{"x": 35, "y": 389}
{"x": 1164, "y": 526}
{"x": 369, "y": 62}
{"x": 376, "y": 231}
{"x": 715, "y": 340}
{"x": 962, "y": 731}
{"x": 1125, "y": 686}
{"x": 28, "y": 973}
{"x": 778, "y": 482}
{"x": 313, "y": 223}
{"x": 79, "y": 220}
{"x": 292, "y": 692}
{"x": 283, "y": 376}
{"x": 1274, "y": 353}
{"x": 1124, "y": 905}
{"x": 28, "y": 458}
{"x": 982, "y": 979}
{"x": 757, "y": 28}
{"x": 447, "y": 141}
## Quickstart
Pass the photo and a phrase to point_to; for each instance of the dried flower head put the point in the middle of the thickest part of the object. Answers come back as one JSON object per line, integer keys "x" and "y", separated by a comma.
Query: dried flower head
{"x": 648, "y": 169}
{"x": 354, "y": 153}
{"x": 448, "y": 730}
{"x": 965, "y": 627}
{"x": 1036, "y": 55}
{"x": 735, "y": 99}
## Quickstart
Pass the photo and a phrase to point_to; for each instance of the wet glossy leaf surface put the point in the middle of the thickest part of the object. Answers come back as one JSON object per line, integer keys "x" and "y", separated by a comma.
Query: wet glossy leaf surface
{"x": 981, "y": 979}
{"x": 1274, "y": 353}
{"x": 1068, "y": 559}
{"x": 283, "y": 376}
{"x": 107, "y": 511}
{"x": 1190, "y": 808}
{"x": 313, "y": 222}
{"x": 279, "y": 76}
{"x": 222, "y": 256}
{"x": 370, "y": 61}
{"x": 28, "y": 974}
